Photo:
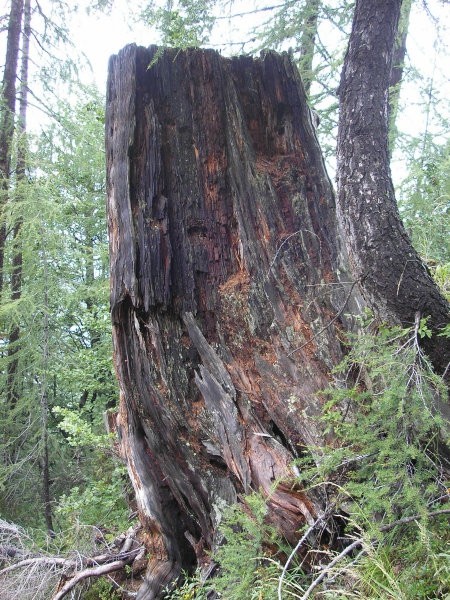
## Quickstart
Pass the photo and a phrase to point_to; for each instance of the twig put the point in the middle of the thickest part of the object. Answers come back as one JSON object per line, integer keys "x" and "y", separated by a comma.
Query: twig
{"x": 324, "y": 573}
{"x": 336, "y": 316}
{"x": 436, "y": 513}
{"x": 279, "y": 249}
{"x": 250, "y": 12}
{"x": 446, "y": 371}
{"x": 92, "y": 572}
{"x": 294, "y": 552}
{"x": 328, "y": 284}
{"x": 299, "y": 231}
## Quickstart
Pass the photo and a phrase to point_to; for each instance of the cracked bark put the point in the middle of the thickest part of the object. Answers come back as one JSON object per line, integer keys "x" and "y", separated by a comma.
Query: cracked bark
{"x": 395, "y": 282}
{"x": 225, "y": 260}
{"x": 7, "y": 114}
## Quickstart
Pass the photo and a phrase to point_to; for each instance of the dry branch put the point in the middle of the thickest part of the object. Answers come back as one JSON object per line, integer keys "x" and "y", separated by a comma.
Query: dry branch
{"x": 328, "y": 568}
{"x": 72, "y": 570}
{"x": 95, "y": 572}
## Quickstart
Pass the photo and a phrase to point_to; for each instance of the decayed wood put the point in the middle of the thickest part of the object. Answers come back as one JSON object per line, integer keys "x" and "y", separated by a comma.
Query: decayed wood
{"x": 225, "y": 261}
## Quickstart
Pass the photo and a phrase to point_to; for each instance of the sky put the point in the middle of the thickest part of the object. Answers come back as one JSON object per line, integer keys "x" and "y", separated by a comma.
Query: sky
{"x": 99, "y": 36}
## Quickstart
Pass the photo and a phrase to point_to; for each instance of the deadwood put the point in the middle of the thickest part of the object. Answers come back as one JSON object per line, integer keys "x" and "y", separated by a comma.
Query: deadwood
{"x": 34, "y": 574}
{"x": 226, "y": 269}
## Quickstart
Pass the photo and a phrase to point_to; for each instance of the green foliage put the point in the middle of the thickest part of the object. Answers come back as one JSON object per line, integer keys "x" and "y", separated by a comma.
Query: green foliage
{"x": 414, "y": 566}
{"x": 101, "y": 589}
{"x": 100, "y": 501}
{"x": 385, "y": 465}
{"x": 183, "y": 24}
{"x": 245, "y": 569}
{"x": 64, "y": 352}
{"x": 425, "y": 202}
{"x": 78, "y": 431}
{"x": 387, "y": 425}
{"x": 441, "y": 274}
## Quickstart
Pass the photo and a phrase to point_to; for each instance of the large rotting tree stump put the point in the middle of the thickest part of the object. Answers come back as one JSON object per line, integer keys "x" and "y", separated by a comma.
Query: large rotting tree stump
{"x": 228, "y": 286}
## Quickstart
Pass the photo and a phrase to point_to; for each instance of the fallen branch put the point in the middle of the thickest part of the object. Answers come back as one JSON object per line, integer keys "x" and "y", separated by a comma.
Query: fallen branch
{"x": 94, "y": 572}
{"x": 328, "y": 568}
{"x": 72, "y": 569}
{"x": 125, "y": 557}
{"x": 66, "y": 563}
{"x": 294, "y": 552}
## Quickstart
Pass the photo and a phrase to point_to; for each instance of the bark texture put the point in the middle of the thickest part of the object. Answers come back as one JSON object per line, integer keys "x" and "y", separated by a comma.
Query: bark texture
{"x": 7, "y": 115}
{"x": 394, "y": 280}
{"x": 225, "y": 272}
{"x": 13, "y": 385}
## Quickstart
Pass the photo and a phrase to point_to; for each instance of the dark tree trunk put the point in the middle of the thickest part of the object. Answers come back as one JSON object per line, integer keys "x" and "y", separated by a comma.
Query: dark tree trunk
{"x": 228, "y": 289}
{"x": 7, "y": 115}
{"x": 13, "y": 385}
{"x": 394, "y": 280}
{"x": 397, "y": 68}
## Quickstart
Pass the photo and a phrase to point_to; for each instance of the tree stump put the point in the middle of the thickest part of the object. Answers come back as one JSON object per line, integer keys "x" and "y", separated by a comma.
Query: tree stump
{"x": 229, "y": 288}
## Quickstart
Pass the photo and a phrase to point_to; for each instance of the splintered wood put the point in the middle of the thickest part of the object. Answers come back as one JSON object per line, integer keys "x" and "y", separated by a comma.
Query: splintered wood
{"x": 222, "y": 235}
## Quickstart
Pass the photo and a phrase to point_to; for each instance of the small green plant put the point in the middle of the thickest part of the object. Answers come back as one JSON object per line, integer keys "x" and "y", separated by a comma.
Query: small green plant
{"x": 387, "y": 426}
{"x": 101, "y": 589}
{"x": 441, "y": 274}
{"x": 386, "y": 465}
{"x": 246, "y": 571}
{"x": 192, "y": 588}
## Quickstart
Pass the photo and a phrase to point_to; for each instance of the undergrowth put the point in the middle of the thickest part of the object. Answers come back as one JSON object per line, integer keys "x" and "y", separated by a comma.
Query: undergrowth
{"x": 384, "y": 475}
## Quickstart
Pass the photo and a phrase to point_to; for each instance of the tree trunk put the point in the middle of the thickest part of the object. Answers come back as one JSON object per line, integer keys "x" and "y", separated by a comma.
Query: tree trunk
{"x": 228, "y": 290}
{"x": 397, "y": 68}
{"x": 12, "y": 386}
{"x": 7, "y": 115}
{"x": 394, "y": 280}
{"x": 308, "y": 43}
{"x": 44, "y": 384}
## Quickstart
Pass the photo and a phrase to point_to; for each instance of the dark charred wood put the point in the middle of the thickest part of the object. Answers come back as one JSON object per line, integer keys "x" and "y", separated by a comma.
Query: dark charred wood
{"x": 226, "y": 268}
